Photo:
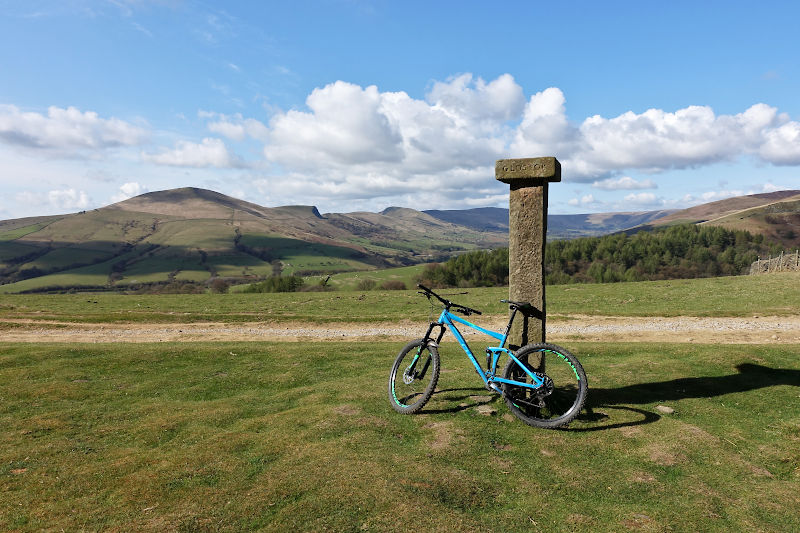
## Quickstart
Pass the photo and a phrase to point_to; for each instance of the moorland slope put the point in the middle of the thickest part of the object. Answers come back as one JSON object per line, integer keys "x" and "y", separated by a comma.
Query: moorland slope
{"x": 195, "y": 235}
{"x": 776, "y": 215}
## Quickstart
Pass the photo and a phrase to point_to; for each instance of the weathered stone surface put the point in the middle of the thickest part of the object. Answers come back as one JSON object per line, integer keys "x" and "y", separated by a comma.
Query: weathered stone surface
{"x": 528, "y": 179}
{"x": 526, "y": 236}
{"x": 531, "y": 171}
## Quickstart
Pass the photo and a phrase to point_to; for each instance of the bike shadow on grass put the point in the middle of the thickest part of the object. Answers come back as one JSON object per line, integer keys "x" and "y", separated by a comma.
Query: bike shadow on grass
{"x": 749, "y": 377}
{"x": 468, "y": 398}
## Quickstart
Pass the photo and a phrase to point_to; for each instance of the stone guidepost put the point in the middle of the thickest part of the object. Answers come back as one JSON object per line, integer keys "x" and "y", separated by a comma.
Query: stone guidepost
{"x": 528, "y": 180}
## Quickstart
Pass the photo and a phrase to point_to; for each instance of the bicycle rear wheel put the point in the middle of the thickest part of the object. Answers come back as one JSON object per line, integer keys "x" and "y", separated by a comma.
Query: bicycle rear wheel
{"x": 561, "y": 397}
{"x": 413, "y": 377}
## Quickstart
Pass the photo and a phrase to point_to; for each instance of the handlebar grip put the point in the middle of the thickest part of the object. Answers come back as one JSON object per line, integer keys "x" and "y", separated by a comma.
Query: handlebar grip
{"x": 467, "y": 310}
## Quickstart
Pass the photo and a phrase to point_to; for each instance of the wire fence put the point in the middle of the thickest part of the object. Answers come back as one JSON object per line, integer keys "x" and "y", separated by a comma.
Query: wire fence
{"x": 781, "y": 263}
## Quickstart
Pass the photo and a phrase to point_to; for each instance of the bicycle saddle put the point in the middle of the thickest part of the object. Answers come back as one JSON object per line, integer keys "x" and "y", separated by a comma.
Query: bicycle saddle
{"x": 516, "y": 304}
{"x": 525, "y": 307}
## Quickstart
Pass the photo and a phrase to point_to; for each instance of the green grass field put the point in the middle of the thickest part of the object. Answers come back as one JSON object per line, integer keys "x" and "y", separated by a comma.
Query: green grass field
{"x": 279, "y": 436}
{"x": 350, "y": 280}
{"x": 16, "y": 233}
{"x": 240, "y": 436}
{"x": 777, "y": 294}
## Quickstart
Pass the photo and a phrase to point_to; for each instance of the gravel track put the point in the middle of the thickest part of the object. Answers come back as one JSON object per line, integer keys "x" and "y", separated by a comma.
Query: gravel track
{"x": 720, "y": 330}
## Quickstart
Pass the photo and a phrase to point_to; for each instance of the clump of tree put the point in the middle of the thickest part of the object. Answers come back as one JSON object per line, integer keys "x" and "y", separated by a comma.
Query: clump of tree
{"x": 169, "y": 287}
{"x": 681, "y": 251}
{"x": 219, "y": 286}
{"x": 472, "y": 269}
{"x": 277, "y": 284}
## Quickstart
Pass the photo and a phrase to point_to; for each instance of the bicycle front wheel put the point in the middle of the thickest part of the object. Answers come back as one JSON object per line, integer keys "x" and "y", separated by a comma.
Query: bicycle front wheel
{"x": 413, "y": 377}
{"x": 559, "y": 399}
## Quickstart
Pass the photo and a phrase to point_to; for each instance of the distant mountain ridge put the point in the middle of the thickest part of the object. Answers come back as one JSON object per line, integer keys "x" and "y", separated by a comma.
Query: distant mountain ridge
{"x": 558, "y": 226}
{"x": 195, "y": 235}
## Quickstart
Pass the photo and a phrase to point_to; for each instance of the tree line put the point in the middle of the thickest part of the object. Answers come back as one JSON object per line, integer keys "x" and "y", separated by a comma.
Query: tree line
{"x": 680, "y": 251}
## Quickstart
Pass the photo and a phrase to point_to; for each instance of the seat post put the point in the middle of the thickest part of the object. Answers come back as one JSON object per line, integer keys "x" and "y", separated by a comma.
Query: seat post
{"x": 510, "y": 321}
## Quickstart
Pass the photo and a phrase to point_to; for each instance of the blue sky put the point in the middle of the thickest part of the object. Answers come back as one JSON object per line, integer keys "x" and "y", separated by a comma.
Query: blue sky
{"x": 355, "y": 105}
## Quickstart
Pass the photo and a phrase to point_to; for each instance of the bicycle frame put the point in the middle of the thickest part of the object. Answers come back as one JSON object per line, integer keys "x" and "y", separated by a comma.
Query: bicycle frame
{"x": 489, "y": 376}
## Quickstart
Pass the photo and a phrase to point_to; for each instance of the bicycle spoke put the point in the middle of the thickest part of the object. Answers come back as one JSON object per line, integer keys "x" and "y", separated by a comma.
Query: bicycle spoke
{"x": 561, "y": 396}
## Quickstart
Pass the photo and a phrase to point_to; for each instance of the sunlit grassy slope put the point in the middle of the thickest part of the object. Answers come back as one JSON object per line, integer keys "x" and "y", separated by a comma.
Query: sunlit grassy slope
{"x": 776, "y": 294}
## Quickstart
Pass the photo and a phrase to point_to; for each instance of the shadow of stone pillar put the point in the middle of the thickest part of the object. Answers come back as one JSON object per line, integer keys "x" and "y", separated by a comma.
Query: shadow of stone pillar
{"x": 528, "y": 180}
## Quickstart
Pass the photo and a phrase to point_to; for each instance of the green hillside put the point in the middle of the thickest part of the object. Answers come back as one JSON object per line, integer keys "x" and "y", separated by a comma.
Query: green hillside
{"x": 192, "y": 236}
{"x": 774, "y": 215}
{"x": 195, "y": 235}
{"x": 779, "y": 221}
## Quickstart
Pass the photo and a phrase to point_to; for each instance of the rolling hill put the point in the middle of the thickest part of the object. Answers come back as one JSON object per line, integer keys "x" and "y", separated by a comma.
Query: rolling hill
{"x": 194, "y": 235}
{"x": 775, "y": 215}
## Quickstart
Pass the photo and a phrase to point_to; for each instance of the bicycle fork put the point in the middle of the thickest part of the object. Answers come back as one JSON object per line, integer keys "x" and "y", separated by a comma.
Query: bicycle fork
{"x": 427, "y": 340}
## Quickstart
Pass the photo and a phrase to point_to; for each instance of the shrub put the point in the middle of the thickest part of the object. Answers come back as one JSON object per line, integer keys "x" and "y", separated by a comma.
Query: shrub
{"x": 277, "y": 284}
{"x": 219, "y": 286}
{"x": 393, "y": 285}
{"x": 366, "y": 284}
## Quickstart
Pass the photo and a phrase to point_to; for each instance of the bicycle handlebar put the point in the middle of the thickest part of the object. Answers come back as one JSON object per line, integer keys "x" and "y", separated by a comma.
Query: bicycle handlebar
{"x": 458, "y": 308}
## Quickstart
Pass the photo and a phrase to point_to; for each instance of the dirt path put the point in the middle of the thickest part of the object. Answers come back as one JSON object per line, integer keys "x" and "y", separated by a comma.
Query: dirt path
{"x": 756, "y": 330}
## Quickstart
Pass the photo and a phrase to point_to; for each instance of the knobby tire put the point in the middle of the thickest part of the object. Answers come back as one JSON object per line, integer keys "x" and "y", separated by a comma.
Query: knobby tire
{"x": 560, "y": 401}
{"x": 411, "y": 383}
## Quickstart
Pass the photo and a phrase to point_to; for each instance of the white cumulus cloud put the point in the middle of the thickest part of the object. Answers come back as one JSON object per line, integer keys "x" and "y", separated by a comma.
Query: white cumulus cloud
{"x": 209, "y": 152}
{"x": 65, "y": 129}
{"x": 68, "y": 199}
{"x": 373, "y": 148}
{"x": 346, "y": 125}
{"x": 60, "y": 199}
{"x": 657, "y": 140}
{"x": 128, "y": 190}
{"x": 583, "y": 201}
{"x": 643, "y": 199}
{"x": 356, "y": 142}
{"x": 470, "y": 98}
{"x": 544, "y": 129}
{"x": 359, "y": 143}
{"x": 236, "y": 127}
{"x": 781, "y": 145}
{"x": 624, "y": 183}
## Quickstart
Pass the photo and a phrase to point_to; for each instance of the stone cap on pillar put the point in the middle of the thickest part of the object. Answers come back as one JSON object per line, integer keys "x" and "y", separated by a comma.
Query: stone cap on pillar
{"x": 529, "y": 171}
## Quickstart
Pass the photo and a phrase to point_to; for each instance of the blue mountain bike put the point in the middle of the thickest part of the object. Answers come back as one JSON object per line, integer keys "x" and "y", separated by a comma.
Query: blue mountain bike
{"x": 543, "y": 384}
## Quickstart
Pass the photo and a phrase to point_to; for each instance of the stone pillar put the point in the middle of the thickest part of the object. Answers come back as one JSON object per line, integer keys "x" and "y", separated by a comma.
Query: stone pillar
{"x": 527, "y": 230}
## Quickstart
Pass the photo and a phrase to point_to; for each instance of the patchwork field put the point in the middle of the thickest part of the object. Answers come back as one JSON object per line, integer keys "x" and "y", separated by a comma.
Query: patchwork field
{"x": 231, "y": 436}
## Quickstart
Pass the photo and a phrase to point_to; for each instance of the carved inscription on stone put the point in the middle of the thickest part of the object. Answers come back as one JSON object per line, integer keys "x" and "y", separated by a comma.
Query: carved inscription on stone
{"x": 522, "y": 165}
{"x": 535, "y": 168}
